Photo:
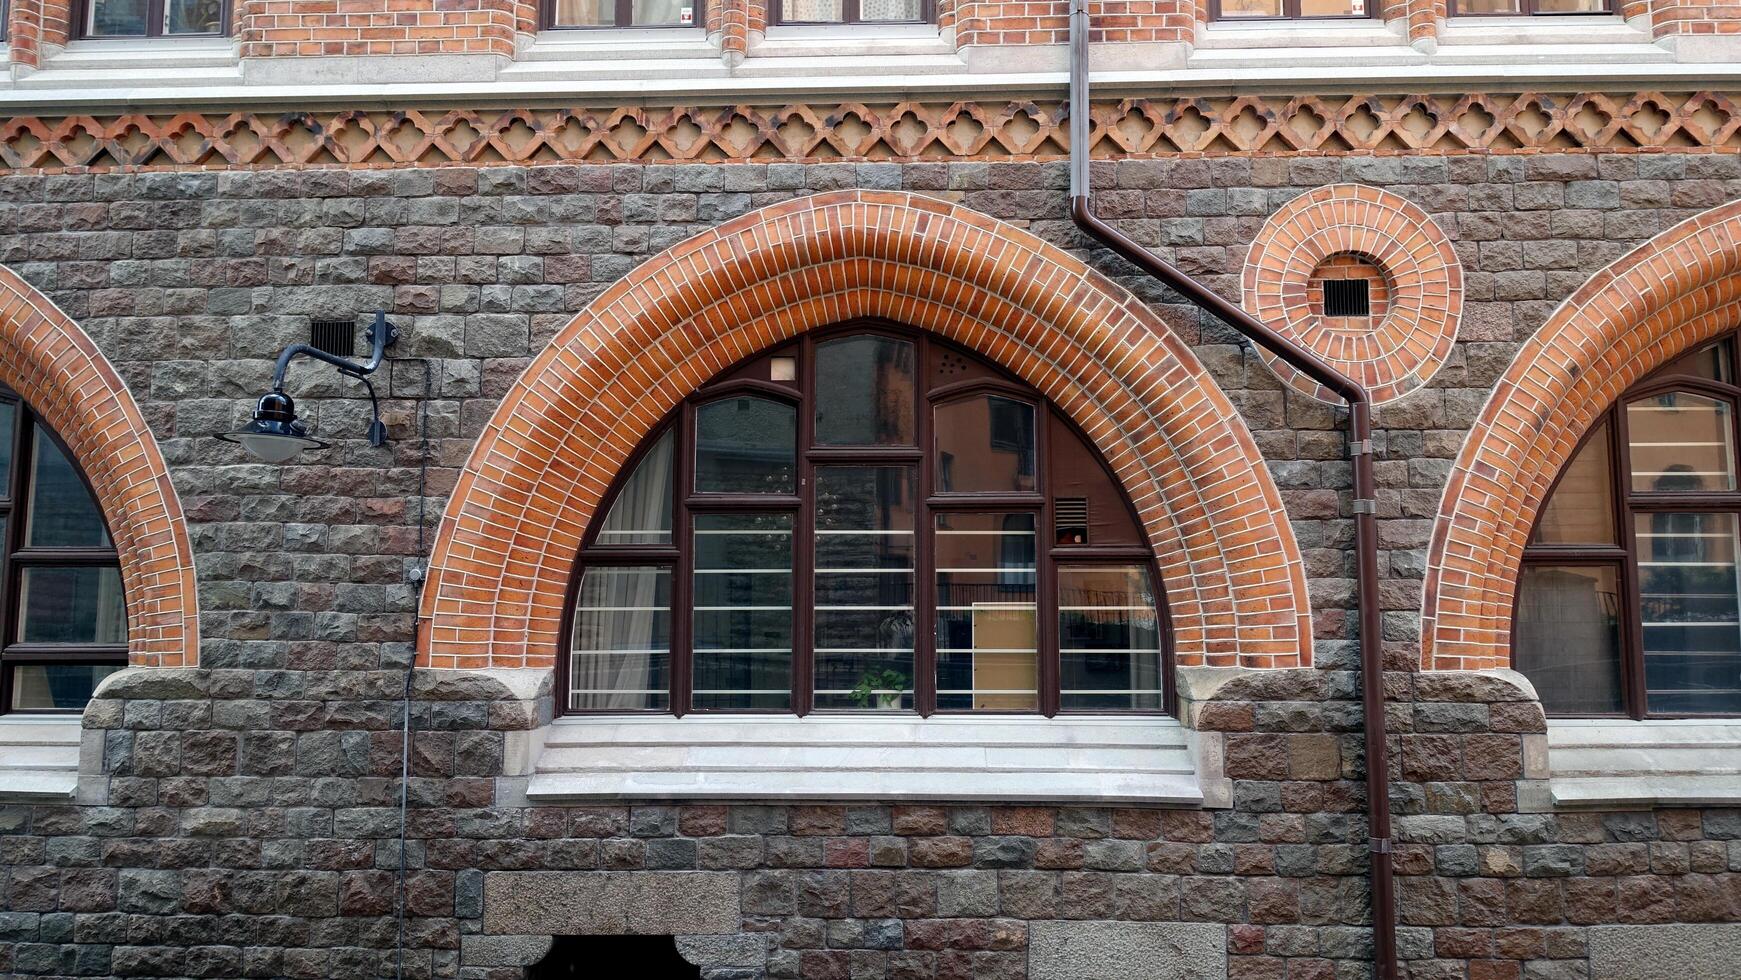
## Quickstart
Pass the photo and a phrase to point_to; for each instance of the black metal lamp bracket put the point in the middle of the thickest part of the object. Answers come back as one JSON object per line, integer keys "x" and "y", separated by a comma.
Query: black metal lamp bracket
{"x": 381, "y": 335}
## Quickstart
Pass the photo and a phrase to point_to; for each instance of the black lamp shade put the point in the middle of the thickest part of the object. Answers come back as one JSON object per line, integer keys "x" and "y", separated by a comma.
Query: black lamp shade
{"x": 275, "y": 434}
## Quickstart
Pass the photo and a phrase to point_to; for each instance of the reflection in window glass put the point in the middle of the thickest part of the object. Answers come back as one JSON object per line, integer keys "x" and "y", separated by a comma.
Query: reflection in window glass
{"x": 1109, "y": 639}
{"x": 1489, "y": 8}
{"x": 1691, "y": 612}
{"x": 62, "y": 512}
{"x": 8, "y": 419}
{"x": 985, "y": 444}
{"x": 1581, "y": 510}
{"x": 1710, "y": 361}
{"x": 641, "y": 514}
{"x": 662, "y": 13}
{"x": 72, "y": 605}
{"x": 621, "y": 649}
{"x": 987, "y": 613}
{"x": 1570, "y": 6}
{"x": 864, "y": 392}
{"x": 1251, "y": 8}
{"x": 586, "y": 13}
{"x": 864, "y": 586}
{"x": 1568, "y": 636}
{"x": 1680, "y": 442}
{"x": 116, "y": 18}
{"x": 743, "y": 611}
{"x": 56, "y": 687}
{"x": 745, "y": 445}
{"x": 834, "y": 11}
{"x": 192, "y": 16}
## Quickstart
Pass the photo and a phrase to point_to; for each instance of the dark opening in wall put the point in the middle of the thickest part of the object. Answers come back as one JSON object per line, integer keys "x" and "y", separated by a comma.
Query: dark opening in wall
{"x": 337, "y": 337}
{"x": 1347, "y": 297}
{"x": 641, "y": 957}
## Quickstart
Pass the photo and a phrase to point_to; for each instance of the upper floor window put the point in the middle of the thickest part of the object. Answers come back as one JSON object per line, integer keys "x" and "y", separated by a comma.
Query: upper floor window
{"x": 853, "y": 11}
{"x": 1290, "y": 9}
{"x": 153, "y": 18}
{"x": 61, "y": 609}
{"x": 1524, "y": 8}
{"x": 1629, "y": 602}
{"x": 623, "y": 13}
{"x": 865, "y": 519}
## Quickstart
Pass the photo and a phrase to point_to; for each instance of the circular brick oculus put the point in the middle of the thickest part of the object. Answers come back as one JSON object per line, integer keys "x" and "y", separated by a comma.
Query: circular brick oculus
{"x": 1413, "y": 288}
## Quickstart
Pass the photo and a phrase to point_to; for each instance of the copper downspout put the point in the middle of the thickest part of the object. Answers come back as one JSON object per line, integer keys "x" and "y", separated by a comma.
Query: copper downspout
{"x": 1360, "y": 449}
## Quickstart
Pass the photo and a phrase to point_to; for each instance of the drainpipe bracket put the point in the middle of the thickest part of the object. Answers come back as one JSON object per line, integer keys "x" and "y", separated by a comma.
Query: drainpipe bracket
{"x": 1365, "y": 505}
{"x": 1378, "y": 845}
{"x": 1359, "y": 447}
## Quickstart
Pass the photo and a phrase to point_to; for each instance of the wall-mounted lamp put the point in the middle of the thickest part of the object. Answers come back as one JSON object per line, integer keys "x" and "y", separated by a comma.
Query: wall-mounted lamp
{"x": 275, "y": 434}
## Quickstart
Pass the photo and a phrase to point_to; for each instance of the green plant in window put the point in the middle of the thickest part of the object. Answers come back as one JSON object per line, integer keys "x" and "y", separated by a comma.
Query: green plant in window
{"x": 880, "y": 689}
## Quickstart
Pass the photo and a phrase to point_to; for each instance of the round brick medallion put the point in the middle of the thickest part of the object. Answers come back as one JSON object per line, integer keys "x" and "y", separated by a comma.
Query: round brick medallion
{"x": 1364, "y": 279}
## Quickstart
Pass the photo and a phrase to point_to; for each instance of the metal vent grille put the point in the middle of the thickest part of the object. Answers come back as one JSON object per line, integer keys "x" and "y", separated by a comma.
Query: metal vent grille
{"x": 336, "y": 337}
{"x": 1070, "y": 519}
{"x": 1347, "y": 297}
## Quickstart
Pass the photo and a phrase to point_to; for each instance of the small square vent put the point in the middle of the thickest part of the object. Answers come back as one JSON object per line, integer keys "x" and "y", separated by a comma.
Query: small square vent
{"x": 1347, "y": 297}
{"x": 336, "y": 337}
{"x": 1070, "y": 520}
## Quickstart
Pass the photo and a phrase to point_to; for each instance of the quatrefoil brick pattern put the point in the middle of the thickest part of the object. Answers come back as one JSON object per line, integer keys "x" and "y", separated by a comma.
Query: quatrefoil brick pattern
{"x": 905, "y": 131}
{"x": 1411, "y": 341}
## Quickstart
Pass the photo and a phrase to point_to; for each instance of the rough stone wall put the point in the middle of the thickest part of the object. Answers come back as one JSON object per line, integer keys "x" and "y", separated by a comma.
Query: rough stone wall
{"x": 251, "y": 828}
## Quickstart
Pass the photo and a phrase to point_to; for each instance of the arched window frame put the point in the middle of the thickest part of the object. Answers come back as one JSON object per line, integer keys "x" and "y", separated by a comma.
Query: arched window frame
{"x": 1627, "y": 504}
{"x": 18, "y": 557}
{"x": 676, "y": 558}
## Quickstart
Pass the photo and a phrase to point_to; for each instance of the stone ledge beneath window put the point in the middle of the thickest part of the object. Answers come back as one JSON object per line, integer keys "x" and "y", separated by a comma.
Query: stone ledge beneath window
{"x": 39, "y": 757}
{"x": 1128, "y": 761}
{"x": 1611, "y": 762}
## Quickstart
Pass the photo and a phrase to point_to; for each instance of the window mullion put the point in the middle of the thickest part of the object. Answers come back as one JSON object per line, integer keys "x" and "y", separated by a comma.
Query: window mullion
{"x": 924, "y": 550}
{"x": 804, "y": 540}
{"x": 22, "y": 423}
{"x": 1631, "y": 606}
{"x": 683, "y": 569}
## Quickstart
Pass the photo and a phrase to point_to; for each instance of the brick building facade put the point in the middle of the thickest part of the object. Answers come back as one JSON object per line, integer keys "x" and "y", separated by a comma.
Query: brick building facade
{"x": 1502, "y": 228}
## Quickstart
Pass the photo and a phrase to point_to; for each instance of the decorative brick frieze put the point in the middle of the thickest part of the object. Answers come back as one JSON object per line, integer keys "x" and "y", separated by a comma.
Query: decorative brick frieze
{"x": 1221, "y": 126}
{"x": 507, "y": 546}
{"x": 1675, "y": 290}
{"x": 1404, "y": 342}
{"x": 55, "y": 366}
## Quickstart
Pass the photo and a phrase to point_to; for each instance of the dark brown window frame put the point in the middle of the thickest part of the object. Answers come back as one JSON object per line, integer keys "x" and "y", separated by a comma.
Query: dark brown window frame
{"x": 849, "y": 16}
{"x": 624, "y": 19}
{"x": 676, "y": 558}
{"x": 1290, "y": 11}
{"x": 1527, "y": 9}
{"x": 16, "y": 557}
{"x": 153, "y": 23}
{"x": 1625, "y": 504}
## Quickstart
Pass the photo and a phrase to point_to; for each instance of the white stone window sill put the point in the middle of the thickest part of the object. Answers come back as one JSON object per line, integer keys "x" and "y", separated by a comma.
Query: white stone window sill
{"x": 1138, "y": 761}
{"x": 1615, "y": 762}
{"x": 39, "y": 757}
{"x": 168, "y": 61}
{"x": 833, "y": 48}
{"x": 1279, "y": 33}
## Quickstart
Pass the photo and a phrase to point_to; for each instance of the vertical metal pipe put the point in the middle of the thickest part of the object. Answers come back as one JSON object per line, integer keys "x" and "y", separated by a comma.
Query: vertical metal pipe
{"x": 1365, "y": 488}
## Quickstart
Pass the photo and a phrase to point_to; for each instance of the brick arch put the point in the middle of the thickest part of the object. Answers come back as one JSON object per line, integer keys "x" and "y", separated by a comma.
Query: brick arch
{"x": 1679, "y": 288}
{"x": 56, "y": 367}
{"x": 508, "y": 541}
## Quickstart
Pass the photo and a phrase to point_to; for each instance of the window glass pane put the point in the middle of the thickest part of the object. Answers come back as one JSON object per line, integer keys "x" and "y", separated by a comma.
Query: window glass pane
{"x": 192, "y": 16}
{"x": 62, "y": 513}
{"x": 872, "y": 11}
{"x": 641, "y": 513}
{"x": 1690, "y": 611}
{"x": 8, "y": 419}
{"x": 1710, "y": 361}
{"x": 662, "y": 13}
{"x": 987, "y": 614}
{"x": 1680, "y": 442}
{"x": 621, "y": 649}
{"x": 1251, "y": 8}
{"x": 586, "y": 13}
{"x": 1581, "y": 510}
{"x": 71, "y": 605}
{"x": 1489, "y": 8}
{"x": 51, "y": 687}
{"x": 1570, "y": 6}
{"x": 745, "y": 445}
{"x": 1568, "y": 636}
{"x": 1333, "y": 8}
{"x": 864, "y": 392}
{"x": 743, "y": 611}
{"x": 864, "y": 586}
{"x": 1109, "y": 639}
{"x": 985, "y": 444}
{"x": 116, "y": 17}
{"x": 812, "y": 11}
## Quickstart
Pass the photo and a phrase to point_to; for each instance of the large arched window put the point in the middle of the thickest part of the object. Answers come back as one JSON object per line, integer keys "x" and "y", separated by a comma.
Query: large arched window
{"x": 61, "y": 607}
{"x": 1629, "y": 602}
{"x": 866, "y": 519}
